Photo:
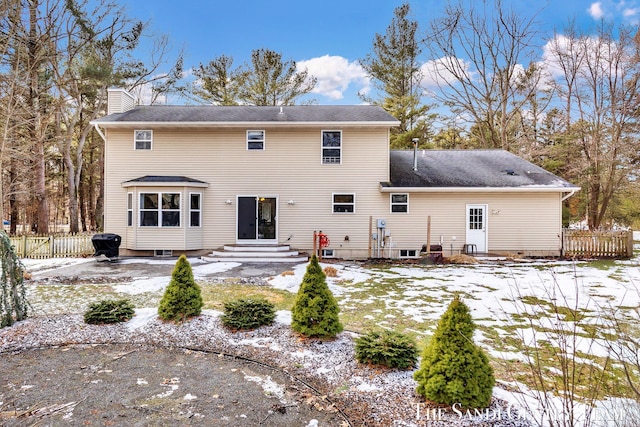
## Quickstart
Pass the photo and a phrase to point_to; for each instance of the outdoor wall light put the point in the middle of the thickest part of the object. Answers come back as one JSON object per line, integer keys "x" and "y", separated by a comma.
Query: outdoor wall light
{"x": 495, "y": 211}
{"x": 291, "y": 202}
{"x": 227, "y": 202}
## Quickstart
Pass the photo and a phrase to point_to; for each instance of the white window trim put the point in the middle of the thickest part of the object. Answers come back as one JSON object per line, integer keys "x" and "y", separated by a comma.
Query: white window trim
{"x": 333, "y": 203}
{"x": 415, "y": 253}
{"x": 264, "y": 137}
{"x": 195, "y": 210}
{"x": 322, "y": 147}
{"x": 160, "y": 210}
{"x": 130, "y": 210}
{"x": 392, "y": 204}
{"x": 135, "y": 140}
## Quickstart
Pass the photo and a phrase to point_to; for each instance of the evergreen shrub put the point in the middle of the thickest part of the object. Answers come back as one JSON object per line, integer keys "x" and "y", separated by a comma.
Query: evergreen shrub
{"x": 109, "y": 311}
{"x": 182, "y": 299}
{"x": 387, "y": 348}
{"x": 248, "y": 313}
{"x": 315, "y": 310}
{"x": 453, "y": 368}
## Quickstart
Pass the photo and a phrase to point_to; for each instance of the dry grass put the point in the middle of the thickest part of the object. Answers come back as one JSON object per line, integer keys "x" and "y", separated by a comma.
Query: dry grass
{"x": 287, "y": 273}
{"x": 330, "y": 271}
{"x": 460, "y": 259}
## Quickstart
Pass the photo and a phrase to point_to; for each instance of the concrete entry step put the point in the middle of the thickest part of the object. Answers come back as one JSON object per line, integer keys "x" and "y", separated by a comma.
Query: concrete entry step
{"x": 255, "y": 253}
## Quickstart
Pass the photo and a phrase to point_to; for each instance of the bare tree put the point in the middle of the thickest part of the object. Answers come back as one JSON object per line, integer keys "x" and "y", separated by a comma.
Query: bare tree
{"x": 598, "y": 78}
{"x": 479, "y": 53}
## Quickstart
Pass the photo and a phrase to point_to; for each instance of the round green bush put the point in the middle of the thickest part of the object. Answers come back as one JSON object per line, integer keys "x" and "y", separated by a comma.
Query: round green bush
{"x": 109, "y": 311}
{"x": 453, "y": 368}
{"x": 387, "y": 348}
{"x": 248, "y": 313}
{"x": 182, "y": 299}
{"x": 315, "y": 310}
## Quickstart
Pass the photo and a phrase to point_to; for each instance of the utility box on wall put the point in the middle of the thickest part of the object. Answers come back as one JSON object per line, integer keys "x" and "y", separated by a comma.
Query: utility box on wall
{"x": 382, "y": 223}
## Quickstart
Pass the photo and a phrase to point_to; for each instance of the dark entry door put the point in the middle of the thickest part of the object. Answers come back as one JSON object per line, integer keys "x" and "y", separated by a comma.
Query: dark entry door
{"x": 247, "y": 216}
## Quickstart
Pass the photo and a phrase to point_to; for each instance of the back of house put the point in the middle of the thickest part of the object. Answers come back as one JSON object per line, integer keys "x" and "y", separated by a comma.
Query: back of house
{"x": 191, "y": 179}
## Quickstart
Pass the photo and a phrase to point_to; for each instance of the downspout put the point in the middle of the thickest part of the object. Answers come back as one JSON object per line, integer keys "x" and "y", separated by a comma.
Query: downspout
{"x": 571, "y": 193}
{"x": 97, "y": 128}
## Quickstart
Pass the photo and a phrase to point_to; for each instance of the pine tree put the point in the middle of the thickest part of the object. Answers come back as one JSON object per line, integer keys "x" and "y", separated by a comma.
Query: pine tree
{"x": 453, "y": 368}
{"x": 315, "y": 310}
{"x": 395, "y": 70}
{"x": 182, "y": 298}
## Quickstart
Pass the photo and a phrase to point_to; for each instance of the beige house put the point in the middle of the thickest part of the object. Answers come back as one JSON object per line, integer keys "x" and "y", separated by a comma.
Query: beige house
{"x": 193, "y": 179}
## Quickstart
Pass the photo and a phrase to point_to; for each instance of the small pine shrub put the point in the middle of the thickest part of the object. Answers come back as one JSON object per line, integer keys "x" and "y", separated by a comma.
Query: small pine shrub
{"x": 315, "y": 310}
{"x": 330, "y": 271}
{"x": 248, "y": 313}
{"x": 387, "y": 348}
{"x": 182, "y": 299}
{"x": 109, "y": 311}
{"x": 453, "y": 368}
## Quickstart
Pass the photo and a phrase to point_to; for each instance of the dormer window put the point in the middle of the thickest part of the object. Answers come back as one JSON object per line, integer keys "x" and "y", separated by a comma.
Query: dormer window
{"x": 143, "y": 139}
{"x": 255, "y": 140}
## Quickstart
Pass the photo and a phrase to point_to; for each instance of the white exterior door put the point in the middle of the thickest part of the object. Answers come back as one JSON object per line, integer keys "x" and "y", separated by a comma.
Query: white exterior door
{"x": 477, "y": 227}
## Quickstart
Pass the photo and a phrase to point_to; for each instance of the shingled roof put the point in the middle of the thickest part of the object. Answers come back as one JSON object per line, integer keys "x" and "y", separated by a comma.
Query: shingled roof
{"x": 217, "y": 115}
{"x": 489, "y": 169}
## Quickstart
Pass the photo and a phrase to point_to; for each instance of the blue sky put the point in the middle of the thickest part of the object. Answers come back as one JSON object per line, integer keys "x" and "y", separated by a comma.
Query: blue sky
{"x": 329, "y": 37}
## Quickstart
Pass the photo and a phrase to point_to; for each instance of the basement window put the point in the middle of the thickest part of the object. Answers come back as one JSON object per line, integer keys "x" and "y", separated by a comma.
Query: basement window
{"x": 328, "y": 253}
{"x": 408, "y": 253}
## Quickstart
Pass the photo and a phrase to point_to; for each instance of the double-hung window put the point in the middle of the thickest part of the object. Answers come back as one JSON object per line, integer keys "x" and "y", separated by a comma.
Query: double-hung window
{"x": 195, "y": 209}
{"x": 160, "y": 209}
{"x": 344, "y": 203}
{"x": 331, "y": 147}
{"x": 129, "y": 209}
{"x": 143, "y": 139}
{"x": 255, "y": 140}
{"x": 400, "y": 203}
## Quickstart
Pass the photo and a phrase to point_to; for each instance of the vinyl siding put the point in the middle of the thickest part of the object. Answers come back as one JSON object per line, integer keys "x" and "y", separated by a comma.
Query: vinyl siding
{"x": 289, "y": 168}
{"x": 528, "y": 223}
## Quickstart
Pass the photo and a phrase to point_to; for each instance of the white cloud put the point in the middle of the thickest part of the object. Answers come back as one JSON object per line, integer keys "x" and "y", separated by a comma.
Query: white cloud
{"x": 595, "y": 10}
{"x": 335, "y": 74}
{"x": 438, "y": 73}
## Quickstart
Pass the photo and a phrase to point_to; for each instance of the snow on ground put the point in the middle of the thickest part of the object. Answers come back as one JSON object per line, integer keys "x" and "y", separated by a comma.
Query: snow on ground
{"x": 495, "y": 291}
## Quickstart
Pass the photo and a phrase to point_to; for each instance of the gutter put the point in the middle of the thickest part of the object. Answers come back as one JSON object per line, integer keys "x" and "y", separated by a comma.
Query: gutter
{"x": 572, "y": 191}
{"x": 284, "y": 124}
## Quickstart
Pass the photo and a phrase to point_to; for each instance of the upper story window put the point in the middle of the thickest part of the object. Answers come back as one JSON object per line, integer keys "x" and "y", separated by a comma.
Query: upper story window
{"x": 400, "y": 203}
{"x": 331, "y": 147}
{"x": 255, "y": 140}
{"x": 344, "y": 203}
{"x": 160, "y": 209}
{"x": 143, "y": 139}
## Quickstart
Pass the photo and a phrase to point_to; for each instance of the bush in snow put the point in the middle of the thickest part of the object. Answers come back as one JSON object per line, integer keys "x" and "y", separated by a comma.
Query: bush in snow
{"x": 453, "y": 368}
{"x": 315, "y": 310}
{"x": 248, "y": 313}
{"x": 387, "y": 348}
{"x": 182, "y": 298}
{"x": 109, "y": 311}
